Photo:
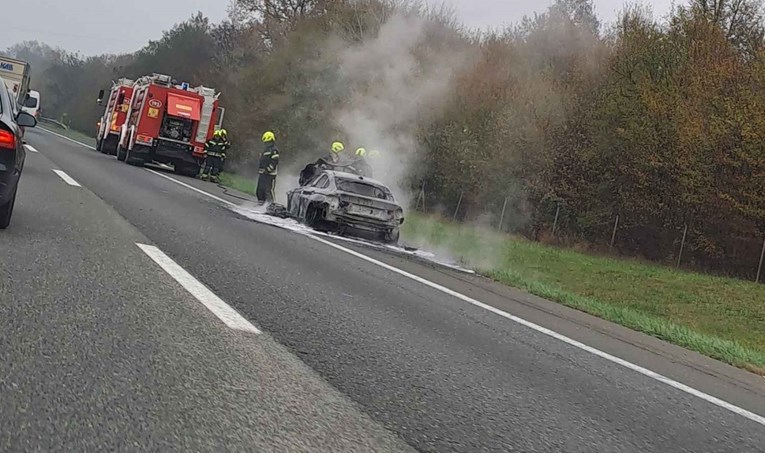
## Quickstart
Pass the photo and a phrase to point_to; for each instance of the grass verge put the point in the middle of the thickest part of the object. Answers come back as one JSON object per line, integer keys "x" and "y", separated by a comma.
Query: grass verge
{"x": 71, "y": 133}
{"x": 240, "y": 183}
{"x": 719, "y": 317}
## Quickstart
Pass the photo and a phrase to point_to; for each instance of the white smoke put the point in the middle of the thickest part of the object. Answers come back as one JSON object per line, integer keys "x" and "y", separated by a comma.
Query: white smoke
{"x": 396, "y": 82}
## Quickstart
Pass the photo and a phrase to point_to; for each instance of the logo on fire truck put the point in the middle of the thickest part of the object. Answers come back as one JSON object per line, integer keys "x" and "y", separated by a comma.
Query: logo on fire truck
{"x": 156, "y": 103}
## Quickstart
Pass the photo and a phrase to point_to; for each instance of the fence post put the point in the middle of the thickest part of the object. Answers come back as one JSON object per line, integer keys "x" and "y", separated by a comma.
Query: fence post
{"x": 613, "y": 235}
{"x": 759, "y": 268}
{"x": 682, "y": 246}
{"x": 420, "y": 196}
{"x": 459, "y": 203}
{"x": 502, "y": 217}
{"x": 555, "y": 223}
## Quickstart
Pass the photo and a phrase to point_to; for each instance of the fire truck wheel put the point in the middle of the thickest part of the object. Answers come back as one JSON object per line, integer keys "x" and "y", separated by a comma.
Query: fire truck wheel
{"x": 130, "y": 160}
{"x": 121, "y": 153}
{"x": 189, "y": 170}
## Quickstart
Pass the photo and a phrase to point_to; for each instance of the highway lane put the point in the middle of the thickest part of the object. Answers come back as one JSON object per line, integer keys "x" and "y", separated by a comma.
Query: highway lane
{"x": 443, "y": 375}
{"x": 100, "y": 350}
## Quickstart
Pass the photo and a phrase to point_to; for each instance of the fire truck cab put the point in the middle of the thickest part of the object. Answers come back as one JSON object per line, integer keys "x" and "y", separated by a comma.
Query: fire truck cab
{"x": 110, "y": 124}
{"x": 169, "y": 123}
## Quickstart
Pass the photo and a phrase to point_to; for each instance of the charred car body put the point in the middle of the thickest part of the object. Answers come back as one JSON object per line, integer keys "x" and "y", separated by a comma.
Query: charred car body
{"x": 337, "y": 201}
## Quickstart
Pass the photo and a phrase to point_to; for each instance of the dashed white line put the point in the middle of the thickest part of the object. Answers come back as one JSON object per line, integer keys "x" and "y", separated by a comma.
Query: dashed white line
{"x": 223, "y": 311}
{"x": 67, "y": 179}
{"x": 637, "y": 368}
{"x": 31, "y": 148}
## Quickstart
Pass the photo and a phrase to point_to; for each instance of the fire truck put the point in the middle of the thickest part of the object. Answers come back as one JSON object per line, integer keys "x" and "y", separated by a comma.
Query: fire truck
{"x": 169, "y": 123}
{"x": 110, "y": 124}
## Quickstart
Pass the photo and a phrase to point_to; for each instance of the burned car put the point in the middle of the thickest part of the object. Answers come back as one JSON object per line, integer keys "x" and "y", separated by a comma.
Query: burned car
{"x": 344, "y": 202}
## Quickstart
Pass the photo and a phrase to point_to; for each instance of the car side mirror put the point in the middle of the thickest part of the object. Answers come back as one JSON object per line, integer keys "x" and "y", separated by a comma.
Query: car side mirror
{"x": 24, "y": 119}
{"x": 100, "y": 97}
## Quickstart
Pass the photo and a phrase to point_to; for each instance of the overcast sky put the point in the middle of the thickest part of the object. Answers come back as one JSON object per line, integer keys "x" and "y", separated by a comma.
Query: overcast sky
{"x": 98, "y": 26}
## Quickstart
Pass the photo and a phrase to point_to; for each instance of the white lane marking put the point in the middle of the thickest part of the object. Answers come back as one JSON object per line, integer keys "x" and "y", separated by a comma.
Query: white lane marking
{"x": 67, "y": 138}
{"x": 226, "y": 202}
{"x": 644, "y": 371}
{"x": 67, "y": 179}
{"x": 31, "y": 148}
{"x": 223, "y": 311}
{"x": 637, "y": 368}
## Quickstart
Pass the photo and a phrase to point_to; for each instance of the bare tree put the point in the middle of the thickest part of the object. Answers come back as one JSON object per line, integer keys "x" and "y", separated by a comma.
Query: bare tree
{"x": 740, "y": 20}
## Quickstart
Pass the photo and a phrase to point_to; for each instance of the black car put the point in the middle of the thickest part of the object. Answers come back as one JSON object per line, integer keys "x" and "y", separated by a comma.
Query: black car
{"x": 343, "y": 202}
{"x": 12, "y": 152}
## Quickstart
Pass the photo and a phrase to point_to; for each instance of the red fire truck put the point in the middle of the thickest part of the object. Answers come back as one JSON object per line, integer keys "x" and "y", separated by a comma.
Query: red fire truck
{"x": 169, "y": 123}
{"x": 115, "y": 114}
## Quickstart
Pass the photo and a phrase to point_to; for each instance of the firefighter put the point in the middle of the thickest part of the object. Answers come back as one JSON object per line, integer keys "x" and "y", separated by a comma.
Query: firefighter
{"x": 335, "y": 154}
{"x": 360, "y": 163}
{"x": 215, "y": 155}
{"x": 269, "y": 161}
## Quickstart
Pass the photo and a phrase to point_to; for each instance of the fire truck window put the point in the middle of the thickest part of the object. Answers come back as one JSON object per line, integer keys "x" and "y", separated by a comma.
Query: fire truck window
{"x": 121, "y": 99}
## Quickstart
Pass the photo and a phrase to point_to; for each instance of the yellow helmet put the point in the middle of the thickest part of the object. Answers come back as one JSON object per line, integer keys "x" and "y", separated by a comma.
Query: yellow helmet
{"x": 268, "y": 137}
{"x": 337, "y": 147}
{"x": 217, "y": 133}
{"x": 223, "y": 132}
{"x": 361, "y": 152}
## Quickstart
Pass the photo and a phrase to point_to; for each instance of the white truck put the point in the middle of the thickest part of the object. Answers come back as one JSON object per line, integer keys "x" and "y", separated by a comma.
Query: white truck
{"x": 15, "y": 73}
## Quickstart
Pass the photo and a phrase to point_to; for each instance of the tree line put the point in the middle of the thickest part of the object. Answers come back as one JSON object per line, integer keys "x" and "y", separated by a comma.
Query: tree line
{"x": 658, "y": 121}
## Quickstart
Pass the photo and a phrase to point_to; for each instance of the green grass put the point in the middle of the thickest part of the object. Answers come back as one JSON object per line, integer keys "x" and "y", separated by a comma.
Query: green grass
{"x": 720, "y": 317}
{"x": 240, "y": 183}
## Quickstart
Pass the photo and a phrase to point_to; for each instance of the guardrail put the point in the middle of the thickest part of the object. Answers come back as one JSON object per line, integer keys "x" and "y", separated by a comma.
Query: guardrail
{"x": 42, "y": 119}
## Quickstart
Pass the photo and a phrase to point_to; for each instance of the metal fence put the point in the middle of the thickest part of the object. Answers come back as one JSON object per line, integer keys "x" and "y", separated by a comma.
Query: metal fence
{"x": 743, "y": 257}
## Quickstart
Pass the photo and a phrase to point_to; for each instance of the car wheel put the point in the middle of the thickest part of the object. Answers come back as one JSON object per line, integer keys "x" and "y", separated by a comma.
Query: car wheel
{"x": 6, "y": 211}
{"x": 391, "y": 237}
{"x": 314, "y": 218}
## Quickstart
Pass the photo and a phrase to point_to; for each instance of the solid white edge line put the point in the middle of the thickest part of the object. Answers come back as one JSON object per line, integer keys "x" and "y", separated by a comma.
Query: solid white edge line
{"x": 188, "y": 186}
{"x": 31, "y": 148}
{"x": 637, "y": 368}
{"x": 67, "y": 179}
{"x": 644, "y": 371}
{"x": 67, "y": 138}
{"x": 215, "y": 304}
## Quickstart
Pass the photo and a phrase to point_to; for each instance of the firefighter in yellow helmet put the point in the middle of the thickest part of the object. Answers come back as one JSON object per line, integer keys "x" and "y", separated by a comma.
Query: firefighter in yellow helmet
{"x": 360, "y": 164}
{"x": 267, "y": 169}
{"x": 215, "y": 156}
{"x": 335, "y": 154}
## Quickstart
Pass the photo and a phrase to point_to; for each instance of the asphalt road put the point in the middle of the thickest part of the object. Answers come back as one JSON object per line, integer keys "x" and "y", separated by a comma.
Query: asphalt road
{"x": 102, "y": 349}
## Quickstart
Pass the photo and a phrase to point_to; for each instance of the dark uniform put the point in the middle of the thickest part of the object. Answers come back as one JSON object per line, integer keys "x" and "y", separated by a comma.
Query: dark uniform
{"x": 269, "y": 161}
{"x": 215, "y": 155}
{"x": 362, "y": 167}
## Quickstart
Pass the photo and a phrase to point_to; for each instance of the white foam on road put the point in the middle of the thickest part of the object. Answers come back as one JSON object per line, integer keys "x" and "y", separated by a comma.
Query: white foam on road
{"x": 258, "y": 214}
{"x": 215, "y": 304}
{"x": 67, "y": 179}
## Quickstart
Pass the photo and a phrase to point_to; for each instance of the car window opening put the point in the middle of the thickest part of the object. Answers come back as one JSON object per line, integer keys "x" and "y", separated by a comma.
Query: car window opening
{"x": 360, "y": 188}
